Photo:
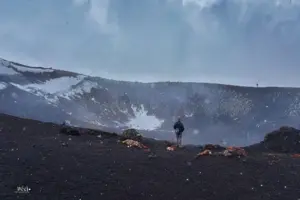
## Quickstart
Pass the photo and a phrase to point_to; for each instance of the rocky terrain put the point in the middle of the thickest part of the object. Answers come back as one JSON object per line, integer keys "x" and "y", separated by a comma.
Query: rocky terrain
{"x": 40, "y": 161}
{"x": 211, "y": 112}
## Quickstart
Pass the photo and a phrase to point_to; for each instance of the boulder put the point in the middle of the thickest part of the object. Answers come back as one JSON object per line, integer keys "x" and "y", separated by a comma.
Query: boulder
{"x": 131, "y": 134}
{"x": 284, "y": 140}
{"x": 70, "y": 131}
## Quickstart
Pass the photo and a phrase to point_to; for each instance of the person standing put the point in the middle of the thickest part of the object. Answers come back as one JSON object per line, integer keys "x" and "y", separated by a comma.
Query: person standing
{"x": 179, "y": 128}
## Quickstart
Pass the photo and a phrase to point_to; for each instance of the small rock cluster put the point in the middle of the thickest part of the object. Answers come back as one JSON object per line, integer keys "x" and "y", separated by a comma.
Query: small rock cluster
{"x": 132, "y": 134}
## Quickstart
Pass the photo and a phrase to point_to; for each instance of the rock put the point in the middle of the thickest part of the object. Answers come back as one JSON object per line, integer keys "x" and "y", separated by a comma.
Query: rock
{"x": 64, "y": 144}
{"x": 235, "y": 152}
{"x": 284, "y": 140}
{"x": 70, "y": 131}
{"x": 152, "y": 155}
{"x": 131, "y": 134}
{"x": 67, "y": 123}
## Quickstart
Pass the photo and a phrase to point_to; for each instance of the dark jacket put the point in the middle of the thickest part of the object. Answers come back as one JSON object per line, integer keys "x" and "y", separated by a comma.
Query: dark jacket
{"x": 179, "y": 125}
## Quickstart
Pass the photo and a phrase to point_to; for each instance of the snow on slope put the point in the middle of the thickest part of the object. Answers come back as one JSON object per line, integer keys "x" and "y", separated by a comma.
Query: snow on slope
{"x": 2, "y": 86}
{"x": 53, "y": 88}
{"x": 31, "y": 69}
{"x": 85, "y": 87}
{"x": 4, "y": 70}
{"x": 70, "y": 87}
{"x": 143, "y": 121}
{"x": 56, "y": 85}
{"x": 87, "y": 99}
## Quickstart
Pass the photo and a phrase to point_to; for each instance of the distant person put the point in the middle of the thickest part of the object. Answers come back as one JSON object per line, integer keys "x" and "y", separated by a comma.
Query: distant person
{"x": 179, "y": 128}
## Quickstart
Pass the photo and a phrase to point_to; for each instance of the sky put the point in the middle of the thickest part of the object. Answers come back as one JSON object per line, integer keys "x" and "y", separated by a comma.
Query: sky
{"x": 226, "y": 41}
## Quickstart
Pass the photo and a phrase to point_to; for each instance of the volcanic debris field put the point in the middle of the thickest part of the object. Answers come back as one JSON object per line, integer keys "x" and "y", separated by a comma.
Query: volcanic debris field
{"x": 48, "y": 161}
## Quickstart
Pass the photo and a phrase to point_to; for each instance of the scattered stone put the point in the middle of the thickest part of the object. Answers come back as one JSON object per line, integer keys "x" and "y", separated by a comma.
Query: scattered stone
{"x": 64, "y": 144}
{"x": 132, "y": 134}
{"x": 152, "y": 155}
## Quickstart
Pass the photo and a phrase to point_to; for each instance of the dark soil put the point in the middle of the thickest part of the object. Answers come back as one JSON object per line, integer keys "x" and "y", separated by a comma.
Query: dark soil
{"x": 83, "y": 166}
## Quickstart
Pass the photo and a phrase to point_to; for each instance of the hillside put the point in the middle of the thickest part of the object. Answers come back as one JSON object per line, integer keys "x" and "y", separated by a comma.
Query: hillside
{"x": 36, "y": 156}
{"x": 212, "y": 113}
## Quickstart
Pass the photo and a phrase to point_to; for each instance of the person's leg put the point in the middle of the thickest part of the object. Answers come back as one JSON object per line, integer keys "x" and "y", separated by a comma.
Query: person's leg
{"x": 179, "y": 136}
{"x": 180, "y": 139}
{"x": 177, "y": 139}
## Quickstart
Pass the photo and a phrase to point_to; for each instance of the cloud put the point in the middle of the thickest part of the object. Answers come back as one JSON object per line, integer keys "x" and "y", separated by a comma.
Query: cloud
{"x": 233, "y": 41}
{"x": 99, "y": 11}
{"x": 230, "y": 14}
{"x": 80, "y": 2}
{"x": 201, "y": 4}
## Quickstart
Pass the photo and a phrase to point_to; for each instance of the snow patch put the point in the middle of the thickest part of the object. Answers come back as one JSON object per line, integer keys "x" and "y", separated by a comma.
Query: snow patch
{"x": 85, "y": 87}
{"x": 29, "y": 69}
{"x": 143, "y": 121}
{"x": 2, "y": 86}
{"x": 56, "y": 85}
{"x": 93, "y": 119}
{"x": 188, "y": 115}
{"x": 4, "y": 69}
{"x": 52, "y": 86}
{"x": 21, "y": 87}
{"x": 52, "y": 89}
{"x": 48, "y": 97}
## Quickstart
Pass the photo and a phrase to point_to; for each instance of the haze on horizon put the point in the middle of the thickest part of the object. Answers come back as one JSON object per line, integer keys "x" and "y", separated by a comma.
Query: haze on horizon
{"x": 238, "y": 42}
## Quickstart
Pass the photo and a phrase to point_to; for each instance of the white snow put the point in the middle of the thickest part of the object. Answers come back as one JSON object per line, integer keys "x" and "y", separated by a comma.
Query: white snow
{"x": 51, "y": 100}
{"x": 52, "y": 86}
{"x": 2, "y": 86}
{"x": 85, "y": 87}
{"x": 94, "y": 100}
{"x": 6, "y": 70}
{"x": 95, "y": 122}
{"x": 29, "y": 69}
{"x": 56, "y": 85}
{"x": 20, "y": 87}
{"x": 143, "y": 121}
{"x": 65, "y": 87}
{"x": 52, "y": 89}
{"x": 189, "y": 114}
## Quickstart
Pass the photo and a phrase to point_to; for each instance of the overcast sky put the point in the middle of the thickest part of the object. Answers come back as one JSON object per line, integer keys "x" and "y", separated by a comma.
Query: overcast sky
{"x": 227, "y": 41}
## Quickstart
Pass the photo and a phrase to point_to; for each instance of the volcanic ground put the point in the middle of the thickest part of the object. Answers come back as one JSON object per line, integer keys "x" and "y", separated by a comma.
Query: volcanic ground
{"x": 94, "y": 165}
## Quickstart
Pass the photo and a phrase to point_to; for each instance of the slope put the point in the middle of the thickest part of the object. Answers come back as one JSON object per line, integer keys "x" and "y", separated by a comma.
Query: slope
{"x": 211, "y": 112}
{"x": 56, "y": 166}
